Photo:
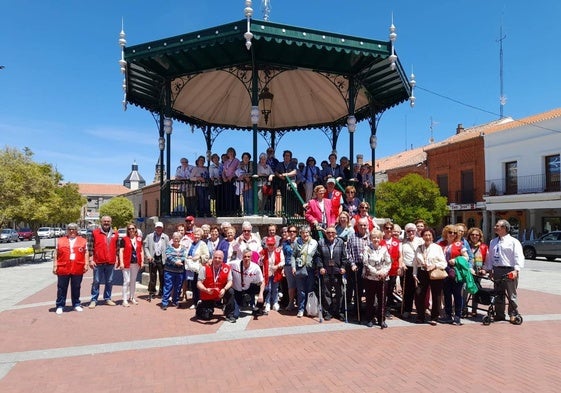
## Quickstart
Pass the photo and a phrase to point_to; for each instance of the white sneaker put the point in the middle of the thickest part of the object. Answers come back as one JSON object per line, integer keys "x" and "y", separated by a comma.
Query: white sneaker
{"x": 276, "y": 307}
{"x": 78, "y": 308}
{"x": 300, "y": 314}
{"x": 126, "y": 304}
{"x": 267, "y": 307}
{"x": 59, "y": 310}
{"x": 134, "y": 301}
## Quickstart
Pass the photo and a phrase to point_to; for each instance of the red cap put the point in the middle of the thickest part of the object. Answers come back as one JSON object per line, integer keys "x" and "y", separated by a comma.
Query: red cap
{"x": 270, "y": 241}
{"x": 189, "y": 218}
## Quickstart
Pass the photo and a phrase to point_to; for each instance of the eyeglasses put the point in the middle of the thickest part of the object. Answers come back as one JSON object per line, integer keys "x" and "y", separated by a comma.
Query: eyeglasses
{"x": 131, "y": 229}
{"x": 292, "y": 230}
{"x": 72, "y": 229}
{"x": 363, "y": 207}
{"x": 475, "y": 234}
{"x": 411, "y": 230}
{"x": 331, "y": 233}
{"x": 246, "y": 230}
{"x": 349, "y": 192}
{"x": 388, "y": 228}
{"x": 452, "y": 233}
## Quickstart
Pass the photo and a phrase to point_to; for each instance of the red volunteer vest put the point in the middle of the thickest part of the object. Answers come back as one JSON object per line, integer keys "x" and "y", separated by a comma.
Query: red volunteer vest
{"x": 65, "y": 266}
{"x": 103, "y": 252}
{"x": 127, "y": 251}
{"x": 215, "y": 282}
{"x": 265, "y": 268}
{"x": 393, "y": 249}
{"x": 336, "y": 202}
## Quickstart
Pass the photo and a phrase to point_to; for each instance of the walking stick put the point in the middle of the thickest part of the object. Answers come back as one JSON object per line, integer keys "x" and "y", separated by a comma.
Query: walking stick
{"x": 320, "y": 308}
{"x": 345, "y": 296}
{"x": 357, "y": 298}
{"x": 403, "y": 289}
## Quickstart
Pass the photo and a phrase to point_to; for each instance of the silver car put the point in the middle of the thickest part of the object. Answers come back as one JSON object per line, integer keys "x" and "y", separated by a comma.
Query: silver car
{"x": 9, "y": 235}
{"x": 548, "y": 245}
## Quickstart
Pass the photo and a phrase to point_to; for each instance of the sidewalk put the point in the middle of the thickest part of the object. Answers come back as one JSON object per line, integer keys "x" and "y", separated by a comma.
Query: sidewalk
{"x": 144, "y": 349}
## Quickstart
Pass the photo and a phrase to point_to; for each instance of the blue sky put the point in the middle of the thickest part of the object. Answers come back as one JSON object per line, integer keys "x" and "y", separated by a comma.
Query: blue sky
{"x": 60, "y": 91}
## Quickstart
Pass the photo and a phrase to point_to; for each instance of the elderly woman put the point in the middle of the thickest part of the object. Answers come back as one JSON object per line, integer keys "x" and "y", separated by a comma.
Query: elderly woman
{"x": 304, "y": 251}
{"x": 318, "y": 212}
{"x": 363, "y": 209}
{"x": 244, "y": 183}
{"x": 428, "y": 257}
{"x": 350, "y": 201}
{"x": 312, "y": 177}
{"x": 479, "y": 250}
{"x": 343, "y": 226}
{"x": 231, "y": 204}
{"x": 377, "y": 264}
{"x": 452, "y": 246}
{"x": 197, "y": 256}
{"x": 199, "y": 175}
{"x": 174, "y": 267}
{"x": 265, "y": 172}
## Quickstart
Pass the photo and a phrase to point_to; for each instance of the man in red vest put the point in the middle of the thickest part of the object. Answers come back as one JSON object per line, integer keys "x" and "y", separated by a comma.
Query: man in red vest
{"x": 215, "y": 286}
{"x": 69, "y": 264}
{"x": 103, "y": 247}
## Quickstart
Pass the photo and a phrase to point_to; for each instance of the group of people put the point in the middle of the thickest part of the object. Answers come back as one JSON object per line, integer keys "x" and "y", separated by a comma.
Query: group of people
{"x": 352, "y": 264}
{"x": 225, "y": 185}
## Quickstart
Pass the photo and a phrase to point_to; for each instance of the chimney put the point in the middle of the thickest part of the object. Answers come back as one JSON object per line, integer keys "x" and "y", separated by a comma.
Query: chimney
{"x": 459, "y": 129}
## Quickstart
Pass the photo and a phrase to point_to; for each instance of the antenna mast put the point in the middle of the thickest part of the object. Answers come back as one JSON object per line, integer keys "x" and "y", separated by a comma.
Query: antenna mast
{"x": 502, "y": 97}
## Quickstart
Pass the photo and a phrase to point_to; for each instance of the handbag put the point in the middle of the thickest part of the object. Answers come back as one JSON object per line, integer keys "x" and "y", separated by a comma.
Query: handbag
{"x": 267, "y": 190}
{"x": 192, "y": 265}
{"x": 438, "y": 274}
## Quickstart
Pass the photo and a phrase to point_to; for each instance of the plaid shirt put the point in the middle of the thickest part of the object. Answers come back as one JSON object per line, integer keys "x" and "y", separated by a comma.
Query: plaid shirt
{"x": 355, "y": 248}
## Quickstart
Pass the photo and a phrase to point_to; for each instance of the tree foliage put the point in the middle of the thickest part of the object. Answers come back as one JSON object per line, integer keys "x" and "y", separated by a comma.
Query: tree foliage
{"x": 31, "y": 192}
{"x": 411, "y": 198}
{"x": 120, "y": 209}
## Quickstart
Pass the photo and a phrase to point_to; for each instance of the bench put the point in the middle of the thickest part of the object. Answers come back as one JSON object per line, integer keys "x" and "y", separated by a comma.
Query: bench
{"x": 41, "y": 253}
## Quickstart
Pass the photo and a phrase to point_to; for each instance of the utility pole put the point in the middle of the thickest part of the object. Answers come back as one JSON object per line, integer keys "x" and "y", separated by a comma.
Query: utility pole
{"x": 502, "y": 98}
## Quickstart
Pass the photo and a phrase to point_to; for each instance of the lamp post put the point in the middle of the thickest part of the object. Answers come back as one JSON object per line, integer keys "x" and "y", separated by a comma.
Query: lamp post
{"x": 168, "y": 129}
{"x": 351, "y": 126}
{"x": 266, "y": 99}
{"x": 373, "y": 144}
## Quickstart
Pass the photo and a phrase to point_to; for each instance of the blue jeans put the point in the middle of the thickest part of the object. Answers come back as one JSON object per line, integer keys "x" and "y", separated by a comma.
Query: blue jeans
{"x": 453, "y": 289}
{"x": 273, "y": 291}
{"x": 172, "y": 287}
{"x": 103, "y": 272}
{"x": 304, "y": 285}
{"x": 75, "y": 282}
{"x": 248, "y": 201}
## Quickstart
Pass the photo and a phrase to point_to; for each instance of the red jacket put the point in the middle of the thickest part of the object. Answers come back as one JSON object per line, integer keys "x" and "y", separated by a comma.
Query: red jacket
{"x": 371, "y": 223}
{"x": 64, "y": 265}
{"x": 103, "y": 252}
{"x": 219, "y": 284}
{"x": 127, "y": 251}
{"x": 335, "y": 202}
{"x": 264, "y": 253}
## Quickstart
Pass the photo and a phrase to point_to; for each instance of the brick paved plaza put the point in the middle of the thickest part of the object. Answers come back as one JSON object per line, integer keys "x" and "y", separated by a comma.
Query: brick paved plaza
{"x": 144, "y": 349}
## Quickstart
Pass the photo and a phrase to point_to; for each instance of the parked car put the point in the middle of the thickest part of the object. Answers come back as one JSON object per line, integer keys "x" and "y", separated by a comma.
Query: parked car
{"x": 25, "y": 234}
{"x": 122, "y": 232}
{"x": 45, "y": 233}
{"x": 548, "y": 245}
{"x": 83, "y": 232}
{"x": 8, "y": 235}
{"x": 58, "y": 232}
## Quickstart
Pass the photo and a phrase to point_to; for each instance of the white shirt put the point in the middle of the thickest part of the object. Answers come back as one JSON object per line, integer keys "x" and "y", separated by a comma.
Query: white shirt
{"x": 251, "y": 275}
{"x": 505, "y": 251}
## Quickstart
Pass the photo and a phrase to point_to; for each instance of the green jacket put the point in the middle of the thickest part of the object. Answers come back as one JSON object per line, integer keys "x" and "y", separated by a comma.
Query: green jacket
{"x": 463, "y": 274}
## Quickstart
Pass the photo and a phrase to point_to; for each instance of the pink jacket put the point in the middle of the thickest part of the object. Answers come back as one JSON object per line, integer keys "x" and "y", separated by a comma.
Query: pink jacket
{"x": 313, "y": 212}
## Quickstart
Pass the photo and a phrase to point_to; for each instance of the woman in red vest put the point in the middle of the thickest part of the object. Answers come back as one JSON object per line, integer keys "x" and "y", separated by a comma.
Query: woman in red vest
{"x": 272, "y": 262}
{"x": 69, "y": 264}
{"x": 131, "y": 258}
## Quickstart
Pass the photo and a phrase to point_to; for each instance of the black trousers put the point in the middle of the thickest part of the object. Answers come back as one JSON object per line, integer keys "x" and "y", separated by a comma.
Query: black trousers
{"x": 227, "y": 301}
{"x": 156, "y": 269}
{"x": 331, "y": 294}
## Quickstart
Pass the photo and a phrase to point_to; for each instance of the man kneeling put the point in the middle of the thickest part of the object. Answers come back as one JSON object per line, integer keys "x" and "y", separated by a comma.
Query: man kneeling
{"x": 215, "y": 286}
{"x": 247, "y": 281}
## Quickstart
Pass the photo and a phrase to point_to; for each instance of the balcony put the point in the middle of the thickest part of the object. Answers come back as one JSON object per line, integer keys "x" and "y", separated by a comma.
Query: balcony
{"x": 531, "y": 184}
{"x": 465, "y": 196}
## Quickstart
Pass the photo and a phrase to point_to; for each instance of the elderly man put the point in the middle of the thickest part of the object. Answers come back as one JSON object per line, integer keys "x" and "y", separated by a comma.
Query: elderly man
{"x": 215, "y": 287}
{"x": 356, "y": 244}
{"x": 504, "y": 260}
{"x": 247, "y": 241}
{"x": 331, "y": 260}
{"x": 155, "y": 245}
{"x": 103, "y": 248}
{"x": 248, "y": 282}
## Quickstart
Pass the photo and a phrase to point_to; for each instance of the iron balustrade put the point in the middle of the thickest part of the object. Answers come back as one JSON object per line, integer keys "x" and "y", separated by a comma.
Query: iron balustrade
{"x": 530, "y": 184}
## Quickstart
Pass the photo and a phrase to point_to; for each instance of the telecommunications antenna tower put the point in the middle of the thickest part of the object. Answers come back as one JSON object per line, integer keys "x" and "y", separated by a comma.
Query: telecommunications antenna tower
{"x": 432, "y": 124}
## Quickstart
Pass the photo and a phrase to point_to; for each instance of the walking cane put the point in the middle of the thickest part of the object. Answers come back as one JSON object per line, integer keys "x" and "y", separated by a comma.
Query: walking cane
{"x": 357, "y": 298}
{"x": 345, "y": 296}
{"x": 320, "y": 308}
{"x": 403, "y": 289}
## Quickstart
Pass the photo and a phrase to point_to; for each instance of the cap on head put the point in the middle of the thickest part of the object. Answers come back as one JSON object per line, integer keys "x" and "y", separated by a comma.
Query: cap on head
{"x": 270, "y": 241}
{"x": 159, "y": 224}
{"x": 189, "y": 218}
{"x": 331, "y": 180}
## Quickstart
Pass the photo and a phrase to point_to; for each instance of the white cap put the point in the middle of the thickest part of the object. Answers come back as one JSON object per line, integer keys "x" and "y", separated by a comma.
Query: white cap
{"x": 331, "y": 180}
{"x": 159, "y": 224}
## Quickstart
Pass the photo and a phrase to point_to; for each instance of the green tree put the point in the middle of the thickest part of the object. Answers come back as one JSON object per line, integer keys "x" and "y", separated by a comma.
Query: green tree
{"x": 120, "y": 209}
{"x": 410, "y": 198}
{"x": 32, "y": 193}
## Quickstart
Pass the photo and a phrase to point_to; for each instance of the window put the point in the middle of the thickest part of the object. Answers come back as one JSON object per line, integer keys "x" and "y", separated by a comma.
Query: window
{"x": 466, "y": 195}
{"x": 442, "y": 181}
{"x": 511, "y": 177}
{"x": 552, "y": 172}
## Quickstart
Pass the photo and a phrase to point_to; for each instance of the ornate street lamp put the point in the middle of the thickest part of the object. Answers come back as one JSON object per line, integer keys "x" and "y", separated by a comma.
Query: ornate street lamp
{"x": 266, "y": 98}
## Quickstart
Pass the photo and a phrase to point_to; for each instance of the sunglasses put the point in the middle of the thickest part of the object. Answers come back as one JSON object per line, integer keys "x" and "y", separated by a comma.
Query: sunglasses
{"x": 131, "y": 229}
{"x": 388, "y": 228}
{"x": 452, "y": 233}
